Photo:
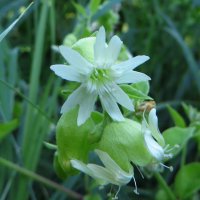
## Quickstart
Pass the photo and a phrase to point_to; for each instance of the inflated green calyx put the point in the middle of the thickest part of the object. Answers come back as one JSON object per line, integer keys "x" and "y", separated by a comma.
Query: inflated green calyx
{"x": 72, "y": 140}
{"x": 124, "y": 142}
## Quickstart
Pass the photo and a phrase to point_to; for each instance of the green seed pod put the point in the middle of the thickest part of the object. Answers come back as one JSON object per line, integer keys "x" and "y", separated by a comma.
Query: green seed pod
{"x": 72, "y": 140}
{"x": 124, "y": 142}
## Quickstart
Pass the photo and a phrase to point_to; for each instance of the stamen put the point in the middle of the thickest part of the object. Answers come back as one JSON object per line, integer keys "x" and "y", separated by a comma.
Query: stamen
{"x": 174, "y": 147}
{"x": 116, "y": 197}
{"x": 168, "y": 167}
{"x": 135, "y": 190}
{"x": 140, "y": 171}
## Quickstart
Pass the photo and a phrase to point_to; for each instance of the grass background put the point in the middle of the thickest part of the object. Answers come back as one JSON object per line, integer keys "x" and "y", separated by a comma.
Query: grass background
{"x": 30, "y": 99}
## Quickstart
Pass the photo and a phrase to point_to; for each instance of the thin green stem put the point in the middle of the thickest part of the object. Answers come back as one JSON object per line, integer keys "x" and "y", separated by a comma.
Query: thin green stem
{"x": 39, "y": 178}
{"x": 165, "y": 187}
{"x": 27, "y": 99}
{"x": 183, "y": 156}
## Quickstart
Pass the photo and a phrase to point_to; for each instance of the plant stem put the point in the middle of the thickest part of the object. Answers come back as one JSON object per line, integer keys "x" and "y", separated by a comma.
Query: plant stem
{"x": 165, "y": 187}
{"x": 39, "y": 178}
{"x": 183, "y": 156}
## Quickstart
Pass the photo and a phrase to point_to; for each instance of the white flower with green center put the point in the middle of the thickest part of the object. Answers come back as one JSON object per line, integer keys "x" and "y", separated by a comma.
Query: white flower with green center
{"x": 99, "y": 78}
{"x": 154, "y": 140}
{"x": 111, "y": 173}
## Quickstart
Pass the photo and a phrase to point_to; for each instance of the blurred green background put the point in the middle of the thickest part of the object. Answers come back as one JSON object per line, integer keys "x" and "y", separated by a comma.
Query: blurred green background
{"x": 30, "y": 94}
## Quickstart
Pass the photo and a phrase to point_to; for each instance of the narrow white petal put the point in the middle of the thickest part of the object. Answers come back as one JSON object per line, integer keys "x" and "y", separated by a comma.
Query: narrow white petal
{"x": 74, "y": 99}
{"x": 154, "y": 148}
{"x": 112, "y": 173}
{"x": 99, "y": 46}
{"x": 153, "y": 125}
{"x": 108, "y": 161}
{"x": 67, "y": 72}
{"x": 76, "y": 60}
{"x": 86, "y": 107}
{"x": 102, "y": 173}
{"x": 77, "y": 164}
{"x": 113, "y": 49}
{"x": 111, "y": 107}
{"x": 130, "y": 64}
{"x": 122, "y": 98}
{"x": 120, "y": 175}
{"x": 132, "y": 77}
{"x": 97, "y": 172}
{"x": 153, "y": 119}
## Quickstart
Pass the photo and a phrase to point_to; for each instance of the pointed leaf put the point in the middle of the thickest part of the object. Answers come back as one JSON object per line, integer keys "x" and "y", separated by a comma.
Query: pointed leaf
{"x": 8, "y": 127}
{"x": 134, "y": 93}
{"x": 5, "y": 32}
{"x": 177, "y": 118}
{"x": 187, "y": 181}
{"x": 177, "y": 136}
{"x": 94, "y": 5}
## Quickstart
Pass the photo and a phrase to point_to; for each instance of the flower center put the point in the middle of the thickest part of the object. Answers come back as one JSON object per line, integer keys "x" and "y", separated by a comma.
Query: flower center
{"x": 98, "y": 78}
{"x": 100, "y": 75}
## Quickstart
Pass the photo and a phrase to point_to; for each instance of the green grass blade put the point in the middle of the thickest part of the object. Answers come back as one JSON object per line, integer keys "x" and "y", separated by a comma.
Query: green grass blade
{"x": 5, "y": 32}
{"x": 30, "y": 151}
{"x": 39, "y": 178}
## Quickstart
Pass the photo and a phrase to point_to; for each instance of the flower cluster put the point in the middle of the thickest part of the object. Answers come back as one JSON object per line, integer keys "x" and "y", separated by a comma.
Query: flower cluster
{"x": 99, "y": 78}
{"x": 119, "y": 142}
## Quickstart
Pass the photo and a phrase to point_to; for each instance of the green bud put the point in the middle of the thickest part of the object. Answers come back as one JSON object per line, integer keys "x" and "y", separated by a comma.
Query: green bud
{"x": 124, "y": 142}
{"x": 72, "y": 140}
{"x": 85, "y": 47}
{"x": 69, "y": 40}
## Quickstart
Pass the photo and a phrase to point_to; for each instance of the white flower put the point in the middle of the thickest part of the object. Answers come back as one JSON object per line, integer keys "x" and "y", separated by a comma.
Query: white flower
{"x": 111, "y": 173}
{"x": 100, "y": 78}
{"x": 154, "y": 140}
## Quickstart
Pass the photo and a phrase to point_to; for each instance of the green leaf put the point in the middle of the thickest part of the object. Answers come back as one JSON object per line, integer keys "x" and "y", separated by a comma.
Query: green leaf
{"x": 5, "y": 32}
{"x": 8, "y": 127}
{"x": 161, "y": 195}
{"x": 177, "y": 118}
{"x": 94, "y": 5}
{"x": 92, "y": 197}
{"x": 142, "y": 86}
{"x": 80, "y": 9}
{"x": 187, "y": 181}
{"x": 192, "y": 113}
{"x": 178, "y": 136}
{"x": 135, "y": 93}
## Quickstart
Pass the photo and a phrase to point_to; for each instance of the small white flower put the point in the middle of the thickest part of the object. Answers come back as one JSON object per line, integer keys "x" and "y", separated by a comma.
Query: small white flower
{"x": 153, "y": 138}
{"x": 111, "y": 173}
{"x": 100, "y": 78}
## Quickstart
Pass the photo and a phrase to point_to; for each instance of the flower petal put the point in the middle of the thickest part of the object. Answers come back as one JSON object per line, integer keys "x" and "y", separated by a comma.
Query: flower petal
{"x": 130, "y": 64}
{"x": 77, "y": 164}
{"x": 97, "y": 172}
{"x": 132, "y": 77}
{"x": 74, "y": 99}
{"x": 121, "y": 176}
{"x": 154, "y": 148}
{"x": 86, "y": 107}
{"x": 99, "y": 47}
{"x": 67, "y": 72}
{"x": 102, "y": 173}
{"x": 112, "y": 51}
{"x": 111, "y": 107}
{"x": 153, "y": 125}
{"x": 76, "y": 60}
{"x": 121, "y": 97}
{"x": 107, "y": 160}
